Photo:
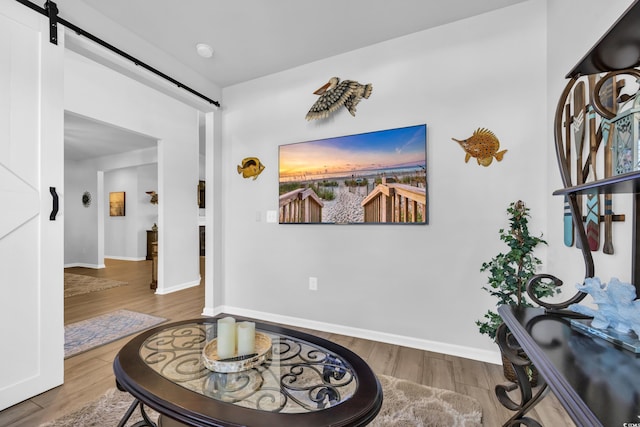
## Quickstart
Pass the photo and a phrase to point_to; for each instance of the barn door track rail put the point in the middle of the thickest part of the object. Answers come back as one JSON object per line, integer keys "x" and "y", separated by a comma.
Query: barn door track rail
{"x": 50, "y": 10}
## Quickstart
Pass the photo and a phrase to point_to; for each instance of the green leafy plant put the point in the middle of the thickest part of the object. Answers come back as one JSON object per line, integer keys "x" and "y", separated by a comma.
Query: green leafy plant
{"x": 510, "y": 271}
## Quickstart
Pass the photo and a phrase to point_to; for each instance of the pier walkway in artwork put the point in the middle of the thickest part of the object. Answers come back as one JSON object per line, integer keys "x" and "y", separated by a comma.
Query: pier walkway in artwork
{"x": 395, "y": 203}
{"x": 301, "y": 205}
{"x": 389, "y": 202}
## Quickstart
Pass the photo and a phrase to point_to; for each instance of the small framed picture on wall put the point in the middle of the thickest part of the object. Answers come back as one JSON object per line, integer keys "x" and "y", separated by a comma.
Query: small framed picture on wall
{"x": 201, "y": 189}
{"x": 116, "y": 203}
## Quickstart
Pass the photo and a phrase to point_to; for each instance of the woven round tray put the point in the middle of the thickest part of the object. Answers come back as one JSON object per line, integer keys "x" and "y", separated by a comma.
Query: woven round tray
{"x": 212, "y": 362}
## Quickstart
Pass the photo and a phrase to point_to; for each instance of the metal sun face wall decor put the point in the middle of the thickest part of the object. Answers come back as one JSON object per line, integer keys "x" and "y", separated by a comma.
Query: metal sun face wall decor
{"x": 335, "y": 94}
{"x": 86, "y": 199}
{"x": 483, "y": 145}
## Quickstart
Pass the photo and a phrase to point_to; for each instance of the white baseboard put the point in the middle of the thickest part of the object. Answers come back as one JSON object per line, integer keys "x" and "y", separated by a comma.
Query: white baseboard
{"x": 178, "y": 287}
{"x": 125, "y": 258}
{"x": 419, "y": 343}
{"x": 81, "y": 264}
{"x": 211, "y": 312}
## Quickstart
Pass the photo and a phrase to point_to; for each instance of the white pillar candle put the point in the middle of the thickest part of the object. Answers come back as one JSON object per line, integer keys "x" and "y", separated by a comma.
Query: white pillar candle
{"x": 226, "y": 337}
{"x": 246, "y": 338}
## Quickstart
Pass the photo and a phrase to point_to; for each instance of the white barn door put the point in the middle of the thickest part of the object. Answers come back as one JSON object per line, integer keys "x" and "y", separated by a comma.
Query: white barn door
{"x": 31, "y": 245}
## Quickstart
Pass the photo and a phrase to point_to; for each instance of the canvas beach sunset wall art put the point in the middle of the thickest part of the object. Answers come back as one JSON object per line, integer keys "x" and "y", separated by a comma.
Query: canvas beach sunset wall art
{"x": 370, "y": 178}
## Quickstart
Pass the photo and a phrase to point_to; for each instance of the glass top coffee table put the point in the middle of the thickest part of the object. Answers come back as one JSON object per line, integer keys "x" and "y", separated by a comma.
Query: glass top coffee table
{"x": 304, "y": 381}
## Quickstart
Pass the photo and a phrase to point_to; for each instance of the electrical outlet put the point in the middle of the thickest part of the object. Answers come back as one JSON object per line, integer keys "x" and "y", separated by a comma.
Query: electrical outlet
{"x": 313, "y": 283}
{"x": 272, "y": 216}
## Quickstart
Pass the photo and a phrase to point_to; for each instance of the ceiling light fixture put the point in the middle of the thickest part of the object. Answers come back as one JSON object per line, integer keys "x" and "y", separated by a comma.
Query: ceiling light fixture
{"x": 204, "y": 50}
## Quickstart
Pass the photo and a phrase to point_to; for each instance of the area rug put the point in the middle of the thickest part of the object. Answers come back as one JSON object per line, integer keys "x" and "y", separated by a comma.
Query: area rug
{"x": 406, "y": 404}
{"x": 106, "y": 411}
{"x": 87, "y": 334}
{"x": 78, "y": 284}
{"x": 410, "y": 404}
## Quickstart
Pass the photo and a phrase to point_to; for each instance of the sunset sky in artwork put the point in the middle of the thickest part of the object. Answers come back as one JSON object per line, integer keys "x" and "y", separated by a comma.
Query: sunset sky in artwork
{"x": 355, "y": 153}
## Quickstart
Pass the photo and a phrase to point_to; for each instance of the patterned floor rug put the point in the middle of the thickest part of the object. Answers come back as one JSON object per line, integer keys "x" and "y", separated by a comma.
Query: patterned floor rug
{"x": 410, "y": 404}
{"x": 406, "y": 404}
{"x": 87, "y": 334}
{"x": 78, "y": 284}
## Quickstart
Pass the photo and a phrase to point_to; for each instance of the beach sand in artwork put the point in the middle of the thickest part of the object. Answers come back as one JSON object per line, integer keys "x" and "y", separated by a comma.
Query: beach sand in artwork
{"x": 346, "y": 207}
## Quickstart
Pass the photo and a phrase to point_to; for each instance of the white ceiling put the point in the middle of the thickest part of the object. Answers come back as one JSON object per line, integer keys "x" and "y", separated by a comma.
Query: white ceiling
{"x": 254, "y": 38}
{"x": 85, "y": 138}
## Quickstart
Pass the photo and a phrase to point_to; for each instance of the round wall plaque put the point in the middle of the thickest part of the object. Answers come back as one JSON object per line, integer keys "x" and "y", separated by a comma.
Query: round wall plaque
{"x": 86, "y": 199}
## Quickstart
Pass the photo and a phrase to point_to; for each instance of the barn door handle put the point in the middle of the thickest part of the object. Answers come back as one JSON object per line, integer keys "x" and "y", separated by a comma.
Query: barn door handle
{"x": 54, "y": 209}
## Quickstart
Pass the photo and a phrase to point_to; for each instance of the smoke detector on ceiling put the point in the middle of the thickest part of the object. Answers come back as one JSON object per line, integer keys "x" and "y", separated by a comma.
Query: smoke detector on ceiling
{"x": 204, "y": 50}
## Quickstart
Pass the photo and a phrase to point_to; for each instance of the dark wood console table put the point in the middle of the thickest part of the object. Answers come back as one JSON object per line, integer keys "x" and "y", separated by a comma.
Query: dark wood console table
{"x": 152, "y": 236}
{"x": 597, "y": 383}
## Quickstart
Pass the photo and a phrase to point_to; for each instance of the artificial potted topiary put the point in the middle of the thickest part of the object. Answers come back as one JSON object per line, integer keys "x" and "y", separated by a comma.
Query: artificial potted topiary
{"x": 509, "y": 273}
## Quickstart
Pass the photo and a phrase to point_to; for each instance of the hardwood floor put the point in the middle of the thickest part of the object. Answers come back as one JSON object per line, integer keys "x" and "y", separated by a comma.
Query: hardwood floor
{"x": 89, "y": 375}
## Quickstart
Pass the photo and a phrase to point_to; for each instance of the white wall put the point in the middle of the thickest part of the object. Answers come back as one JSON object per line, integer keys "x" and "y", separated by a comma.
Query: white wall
{"x": 125, "y": 236}
{"x": 134, "y": 172}
{"x": 489, "y": 71}
{"x": 147, "y": 213}
{"x": 80, "y": 222}
{"x": 120, "y": 234}
{"x": 415, "y": 285}
{"x": 120, "y": 101}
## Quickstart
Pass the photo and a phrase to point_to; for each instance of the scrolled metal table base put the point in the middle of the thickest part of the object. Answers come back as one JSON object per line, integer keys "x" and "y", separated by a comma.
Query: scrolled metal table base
{"x": 146, "y": 421}
{"x": 511, "y": 350}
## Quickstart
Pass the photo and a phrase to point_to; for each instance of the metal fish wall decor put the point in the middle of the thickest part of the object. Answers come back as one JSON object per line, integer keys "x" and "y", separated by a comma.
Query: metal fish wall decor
{"x": 336, "y": 94}
{"x": 154, "y": 197}
{"x": 250, "y": 167}
{"x": 483, "y": 145}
